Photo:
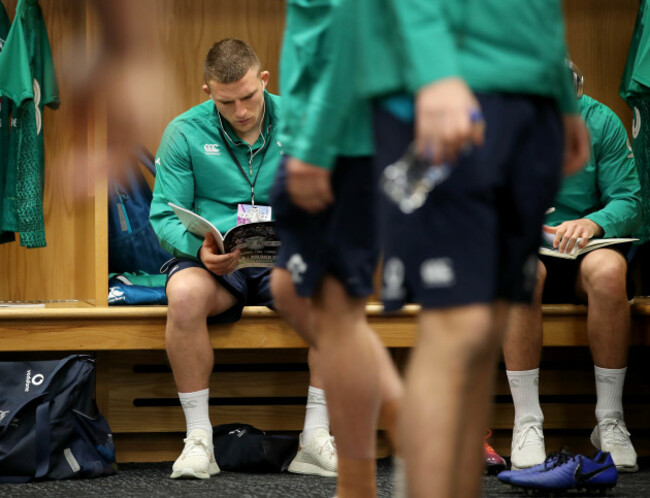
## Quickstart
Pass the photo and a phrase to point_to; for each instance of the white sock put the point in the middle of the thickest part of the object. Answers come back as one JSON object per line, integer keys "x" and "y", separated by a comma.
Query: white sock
{"x": 316, "y": 414}
{"x": 609, "y": 392}
{"x": 524, "y": 387}
{"x": 196, "y": 408}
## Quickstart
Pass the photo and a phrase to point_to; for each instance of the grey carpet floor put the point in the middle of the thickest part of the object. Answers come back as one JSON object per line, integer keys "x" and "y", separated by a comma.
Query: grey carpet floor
{"x": 151, "y": 480}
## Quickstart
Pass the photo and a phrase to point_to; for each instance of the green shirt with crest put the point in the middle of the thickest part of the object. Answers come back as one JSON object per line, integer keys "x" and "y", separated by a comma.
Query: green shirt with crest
{"x": 195, "y": 170}
{"x": 607, "y": 190}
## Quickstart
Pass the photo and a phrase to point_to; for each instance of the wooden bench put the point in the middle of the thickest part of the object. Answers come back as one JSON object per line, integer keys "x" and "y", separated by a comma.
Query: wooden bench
{"x": 262, "y": 374}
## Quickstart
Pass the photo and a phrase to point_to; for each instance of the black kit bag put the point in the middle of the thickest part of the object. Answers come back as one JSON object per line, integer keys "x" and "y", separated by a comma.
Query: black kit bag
{"x": 244, "y": 448}
{"x": 50, "y": 427}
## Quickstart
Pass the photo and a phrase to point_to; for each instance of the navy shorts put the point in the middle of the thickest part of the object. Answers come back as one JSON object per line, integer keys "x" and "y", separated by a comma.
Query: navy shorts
{"x": 476, "y": 237}
{"x": 562, "y": 274}
{"x": 250, "y": 286}
{"x": 341, "y": 240}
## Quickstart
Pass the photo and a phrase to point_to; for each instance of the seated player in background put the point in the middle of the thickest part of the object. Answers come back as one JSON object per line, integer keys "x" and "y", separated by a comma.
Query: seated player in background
{"x": 601, "y": 200}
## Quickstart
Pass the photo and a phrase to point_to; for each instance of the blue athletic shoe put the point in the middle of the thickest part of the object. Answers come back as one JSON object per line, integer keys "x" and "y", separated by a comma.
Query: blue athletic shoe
{"x": 554, "y": 459}
{"x": 578, "y": 472}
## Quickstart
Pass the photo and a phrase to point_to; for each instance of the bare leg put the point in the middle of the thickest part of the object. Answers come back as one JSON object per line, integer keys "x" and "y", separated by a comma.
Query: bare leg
{"x": 193, "y": 295}
{"x": 602, "y": 280}
{"x": 522, "y": 346}
{"x": 351, "y": 374}
{"x": 392, "y": 391}
{"x": 454, "y": 347}
{"x": 522, "y": 349}
{"x": 298, "y": 312}
{"x": 476, "y": 411}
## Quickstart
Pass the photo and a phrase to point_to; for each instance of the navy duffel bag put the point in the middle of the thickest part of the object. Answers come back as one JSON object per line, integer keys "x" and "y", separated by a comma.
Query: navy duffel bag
{"x": 50, "y": 427}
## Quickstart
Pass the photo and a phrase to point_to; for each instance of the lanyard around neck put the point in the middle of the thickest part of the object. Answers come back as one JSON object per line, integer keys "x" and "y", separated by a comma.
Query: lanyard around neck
{"x": 241, "y": 169}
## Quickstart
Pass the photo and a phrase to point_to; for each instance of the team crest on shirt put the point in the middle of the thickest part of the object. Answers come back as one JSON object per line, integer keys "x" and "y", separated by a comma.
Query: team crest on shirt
{"x": 212, "y": 149}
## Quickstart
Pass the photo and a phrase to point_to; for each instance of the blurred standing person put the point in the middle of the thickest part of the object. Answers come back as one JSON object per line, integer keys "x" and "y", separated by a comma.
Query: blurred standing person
{"x": 451, "y": 74}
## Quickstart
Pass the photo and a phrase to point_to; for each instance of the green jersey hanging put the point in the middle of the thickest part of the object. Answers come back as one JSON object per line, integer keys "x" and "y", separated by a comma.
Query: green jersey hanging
{"x": 635, "y": 90}
{"x": 636, "y": 76}
{"x": 27, "y": 78}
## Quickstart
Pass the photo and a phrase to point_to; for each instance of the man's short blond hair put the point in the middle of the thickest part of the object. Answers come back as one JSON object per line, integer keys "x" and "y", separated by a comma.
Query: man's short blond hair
{"x": 229, "y": 60}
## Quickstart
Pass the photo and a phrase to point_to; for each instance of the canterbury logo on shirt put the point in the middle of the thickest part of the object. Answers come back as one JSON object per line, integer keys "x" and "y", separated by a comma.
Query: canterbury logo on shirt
{"x": 212, "y": 149}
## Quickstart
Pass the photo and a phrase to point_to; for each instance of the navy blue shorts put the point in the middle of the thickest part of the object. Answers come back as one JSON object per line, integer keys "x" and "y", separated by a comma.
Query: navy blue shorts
{"x": 250, "y": 286}
{"x": 341, "y": 240}
{"x": 476, "y": 238}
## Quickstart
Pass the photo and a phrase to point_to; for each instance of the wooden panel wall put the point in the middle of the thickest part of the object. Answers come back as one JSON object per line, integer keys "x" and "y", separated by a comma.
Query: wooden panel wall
{"x": 598, "y": 37}
{"x": 185, "y": 31}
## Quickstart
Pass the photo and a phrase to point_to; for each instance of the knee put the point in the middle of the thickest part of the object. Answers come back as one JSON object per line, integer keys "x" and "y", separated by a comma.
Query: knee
{"x": 467, "y": 337}
{"x": 482, "y": 341}
{"x": 186, "y": 301}
{"x": 607, "y": 280}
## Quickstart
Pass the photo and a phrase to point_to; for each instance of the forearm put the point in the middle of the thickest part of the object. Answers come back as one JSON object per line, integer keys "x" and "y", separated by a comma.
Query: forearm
{"x": 620, "y": 218}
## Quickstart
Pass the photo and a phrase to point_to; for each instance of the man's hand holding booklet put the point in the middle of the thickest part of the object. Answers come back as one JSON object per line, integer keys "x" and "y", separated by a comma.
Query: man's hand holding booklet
{"x": 257, "y": 242}
{"x": 547, "y": 248}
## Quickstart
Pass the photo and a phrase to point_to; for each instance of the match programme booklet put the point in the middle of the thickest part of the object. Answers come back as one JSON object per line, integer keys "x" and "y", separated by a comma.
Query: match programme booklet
{"x": 547, "y": 248}
{"x": 257, "y": 241}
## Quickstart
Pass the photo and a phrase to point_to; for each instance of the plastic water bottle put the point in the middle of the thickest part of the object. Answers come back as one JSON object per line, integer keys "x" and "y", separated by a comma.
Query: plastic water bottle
{"x": 408, "y": 181}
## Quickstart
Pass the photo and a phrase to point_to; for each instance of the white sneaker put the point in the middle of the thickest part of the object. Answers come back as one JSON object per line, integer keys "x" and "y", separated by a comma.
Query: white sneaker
{"x": 317, "y": 457}
{"x": 527, "y": 446}
{"x": 611, "y": 435}
{"x": 197, "y": 460}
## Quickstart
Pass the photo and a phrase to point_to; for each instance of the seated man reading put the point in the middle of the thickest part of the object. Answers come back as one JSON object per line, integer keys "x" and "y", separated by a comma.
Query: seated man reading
{"x": 216, "y": 156}
{"x": 602, "y": 200}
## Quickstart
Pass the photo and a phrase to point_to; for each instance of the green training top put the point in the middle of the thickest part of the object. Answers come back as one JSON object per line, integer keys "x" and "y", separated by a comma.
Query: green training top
{"x": 27, "y": 77}
{"x": 196, "y": 171}
{"x": 636, "y": 76}
{"x": 607, "y": 189}
{"x": 337, "y": 51}
{"x": 319, "y": 121}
